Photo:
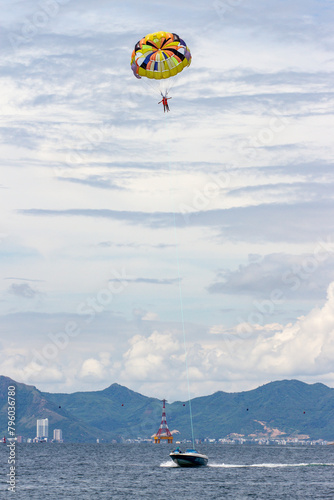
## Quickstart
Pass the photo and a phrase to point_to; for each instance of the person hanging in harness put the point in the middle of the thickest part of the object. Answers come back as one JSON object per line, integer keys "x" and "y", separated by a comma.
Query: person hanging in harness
{"x": 164, "y": 101}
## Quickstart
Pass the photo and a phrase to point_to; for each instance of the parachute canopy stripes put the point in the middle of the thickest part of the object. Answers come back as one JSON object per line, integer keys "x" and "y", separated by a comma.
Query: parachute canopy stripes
{"x": 160, "y": 55}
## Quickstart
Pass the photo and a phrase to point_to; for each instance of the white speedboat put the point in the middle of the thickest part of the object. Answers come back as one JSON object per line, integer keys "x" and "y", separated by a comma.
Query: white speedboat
{"x": 189, "y": 458}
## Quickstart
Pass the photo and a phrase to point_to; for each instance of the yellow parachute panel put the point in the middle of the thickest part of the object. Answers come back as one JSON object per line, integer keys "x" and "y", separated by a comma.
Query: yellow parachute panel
{"x": 160, "y": 55}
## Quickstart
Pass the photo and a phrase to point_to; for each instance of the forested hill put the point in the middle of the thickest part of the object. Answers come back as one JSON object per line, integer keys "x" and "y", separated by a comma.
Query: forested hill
{"x": 278, "y": 409}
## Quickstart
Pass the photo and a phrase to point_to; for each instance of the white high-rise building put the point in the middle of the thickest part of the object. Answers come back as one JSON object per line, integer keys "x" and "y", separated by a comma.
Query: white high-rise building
{"x": 57, "y": 435}
{"x": 42, "y": 428}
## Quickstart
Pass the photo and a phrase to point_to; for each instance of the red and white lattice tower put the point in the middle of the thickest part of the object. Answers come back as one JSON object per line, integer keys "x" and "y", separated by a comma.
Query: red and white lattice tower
{"x": 163, "y": 432}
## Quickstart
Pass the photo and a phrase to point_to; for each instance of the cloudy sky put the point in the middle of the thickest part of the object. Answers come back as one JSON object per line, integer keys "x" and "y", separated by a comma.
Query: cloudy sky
{"x": 139, "y": 247}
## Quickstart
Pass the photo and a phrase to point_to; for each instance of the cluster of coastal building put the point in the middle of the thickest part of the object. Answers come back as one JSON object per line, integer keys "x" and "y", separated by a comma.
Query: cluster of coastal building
{"x": 266, "y": 441}
{"x": 42, "y": 434}
{"x": 239, "y": 440}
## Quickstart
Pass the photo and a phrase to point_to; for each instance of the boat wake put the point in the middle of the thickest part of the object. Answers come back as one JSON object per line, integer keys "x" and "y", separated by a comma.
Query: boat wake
{"x": 169, "y": 463}
{"x": 270, "y": 466}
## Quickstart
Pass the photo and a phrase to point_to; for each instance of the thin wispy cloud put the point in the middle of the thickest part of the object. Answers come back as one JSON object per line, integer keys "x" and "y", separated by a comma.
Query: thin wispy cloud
{"x": 23, "y": 290}
{"x": 94, "y": 181}
{"x": 153, "y": 281}
{"x": 264, "y": 222}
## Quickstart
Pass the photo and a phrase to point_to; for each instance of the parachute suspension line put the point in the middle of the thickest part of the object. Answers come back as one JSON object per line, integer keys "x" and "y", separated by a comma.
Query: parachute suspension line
{"x": 179, "y": 280}
{"x": 154, "y": 89}
{"x": 167, "y": 85}
{"x": 161, "y": 87}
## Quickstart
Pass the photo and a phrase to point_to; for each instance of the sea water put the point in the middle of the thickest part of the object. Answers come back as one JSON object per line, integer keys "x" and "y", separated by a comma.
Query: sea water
{"x": 145, "y": 471}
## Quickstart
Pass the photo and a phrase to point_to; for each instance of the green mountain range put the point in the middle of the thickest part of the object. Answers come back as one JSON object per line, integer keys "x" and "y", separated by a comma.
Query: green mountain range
{"x": 279, "y": 409}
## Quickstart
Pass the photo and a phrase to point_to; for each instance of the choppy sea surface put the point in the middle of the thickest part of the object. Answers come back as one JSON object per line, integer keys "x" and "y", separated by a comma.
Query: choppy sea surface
{"x": 145, "y": 471}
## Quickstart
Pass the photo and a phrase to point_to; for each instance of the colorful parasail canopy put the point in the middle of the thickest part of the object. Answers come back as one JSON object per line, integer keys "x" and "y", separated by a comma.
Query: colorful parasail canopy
{"x": 160, "y": 55}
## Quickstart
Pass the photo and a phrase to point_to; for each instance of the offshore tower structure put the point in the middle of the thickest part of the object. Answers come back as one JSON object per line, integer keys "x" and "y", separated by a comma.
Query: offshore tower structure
{"x": 163, "y": 432}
